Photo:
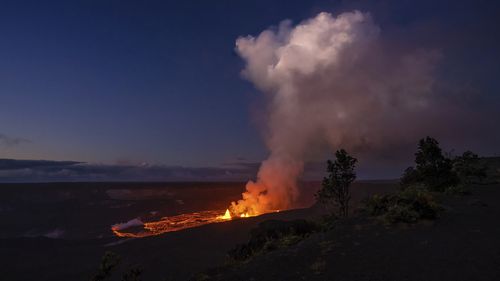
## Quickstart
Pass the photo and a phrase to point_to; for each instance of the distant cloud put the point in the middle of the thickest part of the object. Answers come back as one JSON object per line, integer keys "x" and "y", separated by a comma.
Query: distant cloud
{"x": 12, "y": 170}
{"x": 243, "y": 163}
{"x": 11, "y": 141}
{"x": 13, "y": 164}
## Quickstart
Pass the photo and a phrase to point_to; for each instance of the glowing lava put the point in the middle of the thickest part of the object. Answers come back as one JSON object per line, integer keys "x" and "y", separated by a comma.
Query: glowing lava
{"x": 227, "y": 215}
{"x": 173, "y": 223}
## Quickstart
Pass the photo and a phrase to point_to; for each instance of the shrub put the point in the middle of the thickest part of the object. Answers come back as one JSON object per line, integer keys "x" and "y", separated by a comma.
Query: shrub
{"x": 270, "y": 235}
{"x": 468, "y": 168}
{"x": 327, "y": 222}
{"x": 408, "y": 205}
{"x": 432, "y": 169}
{"x": 108, "y": 262}
{"x": 401, "y": 213}
{"x": 423, "y": 202}
{"x": 377, "y": 204}
{"x": 410, "y": 177}
{"x": 133, "y": 274}
{"x": 459, "y": 189}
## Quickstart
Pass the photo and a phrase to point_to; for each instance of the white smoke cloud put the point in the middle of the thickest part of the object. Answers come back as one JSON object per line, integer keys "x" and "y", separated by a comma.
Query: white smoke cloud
{"x": 130, "y": 223}
{"x": 55, "y": 234}
{"x": 332, "y": 82}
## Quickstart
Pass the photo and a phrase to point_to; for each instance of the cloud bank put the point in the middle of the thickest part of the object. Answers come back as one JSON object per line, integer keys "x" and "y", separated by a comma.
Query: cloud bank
{"x": 12, "y": 170}
{"x": 334, "y": 82}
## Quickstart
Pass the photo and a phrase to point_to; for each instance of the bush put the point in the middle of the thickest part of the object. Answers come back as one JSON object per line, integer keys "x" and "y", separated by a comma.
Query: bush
{"x": 270, "y": 235}
{"x": 134, "y": 274}
{"x": 377, "y": 204}
{"x": 408, "y": 205}
{"x": 439, "y": 173}
{"x": 109, "y": 262}
{"x": 459, "y": 189}
{"x": 410, "y": 177}
{"x": 327, "y": 222}
{"x": 432, "y": 169}
{"x": 468, "y": 168}
{"x": 401, "y": 213}
{"x": 421, "y": 201}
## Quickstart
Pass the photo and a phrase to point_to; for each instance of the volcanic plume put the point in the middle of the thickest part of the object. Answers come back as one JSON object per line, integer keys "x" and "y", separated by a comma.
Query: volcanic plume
{"x": 330, "y": 82}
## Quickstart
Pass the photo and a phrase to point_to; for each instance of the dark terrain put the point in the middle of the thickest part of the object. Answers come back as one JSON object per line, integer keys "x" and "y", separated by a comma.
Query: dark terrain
{"x": 462, "y": 244}
{"x": 60, "y": 231}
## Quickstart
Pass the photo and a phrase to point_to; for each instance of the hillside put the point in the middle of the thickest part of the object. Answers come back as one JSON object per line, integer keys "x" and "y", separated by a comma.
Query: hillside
{"x": 462, "y": 244}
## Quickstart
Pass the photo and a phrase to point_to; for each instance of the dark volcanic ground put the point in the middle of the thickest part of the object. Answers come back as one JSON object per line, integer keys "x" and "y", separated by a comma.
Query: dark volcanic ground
{"x": 60, "y": 231}
{"x": 87, "y": 210}
{"x": 464, "y": 244}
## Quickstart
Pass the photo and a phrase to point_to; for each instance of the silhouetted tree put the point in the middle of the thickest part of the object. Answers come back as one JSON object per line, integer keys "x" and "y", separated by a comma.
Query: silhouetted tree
{"x": 432, "y": 169}
{"x": 335, "y": 186}
{"x": 468, "y": 168}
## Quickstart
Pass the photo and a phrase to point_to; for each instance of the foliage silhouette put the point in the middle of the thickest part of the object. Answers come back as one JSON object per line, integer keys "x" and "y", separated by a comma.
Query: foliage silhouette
{"x": 108, "y": 262}
{"x": 432, "y": 169}
{"x": 468, "y": 168}
{"x": 335, "y": 187}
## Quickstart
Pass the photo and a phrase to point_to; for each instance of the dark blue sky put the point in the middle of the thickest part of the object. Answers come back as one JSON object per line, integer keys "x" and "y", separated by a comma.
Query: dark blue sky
{"x": 159, "y": 81}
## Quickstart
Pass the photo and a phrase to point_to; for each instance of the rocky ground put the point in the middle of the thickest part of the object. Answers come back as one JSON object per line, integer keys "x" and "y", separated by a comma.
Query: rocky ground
{"x": 463, "y": 244}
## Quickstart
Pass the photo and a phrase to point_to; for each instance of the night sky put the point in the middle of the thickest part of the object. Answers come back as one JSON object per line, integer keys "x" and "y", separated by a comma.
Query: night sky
{"x": 158, "y": 84}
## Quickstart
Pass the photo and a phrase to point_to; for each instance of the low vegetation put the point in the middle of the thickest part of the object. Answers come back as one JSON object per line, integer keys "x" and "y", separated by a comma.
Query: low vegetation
{"x": 416, "y": 200}
{"x": 438, "y": 173}
{"x": 408, "y": 206}
{"x": 469, "y": 168}
{"x": 133, "y": 274}
{"x": 433, "y": 173}
{"x": 459, "y": 189}
{"x": 434, "y": 176}
{"x": 271, "y": 235}
{"x": 432, "y": 169}
{"x": 109, "y": 262}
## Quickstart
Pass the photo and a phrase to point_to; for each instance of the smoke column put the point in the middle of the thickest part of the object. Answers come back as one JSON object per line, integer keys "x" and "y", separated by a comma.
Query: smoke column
{"x": 329, "y": 82}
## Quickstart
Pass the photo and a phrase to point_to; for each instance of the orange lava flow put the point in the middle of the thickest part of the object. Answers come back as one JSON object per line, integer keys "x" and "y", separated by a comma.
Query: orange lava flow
{"x": 176, "y": 223}
{"x": 173, "y": 223}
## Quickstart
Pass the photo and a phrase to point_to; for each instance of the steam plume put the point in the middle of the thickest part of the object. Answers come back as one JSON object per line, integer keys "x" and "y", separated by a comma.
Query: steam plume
{"x": 330, "y": 82}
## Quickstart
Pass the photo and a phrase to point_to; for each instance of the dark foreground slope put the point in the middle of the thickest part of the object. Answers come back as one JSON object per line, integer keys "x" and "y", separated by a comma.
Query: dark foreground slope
{"x": 464, "y": 244}
{"x": 84, "y": 213}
